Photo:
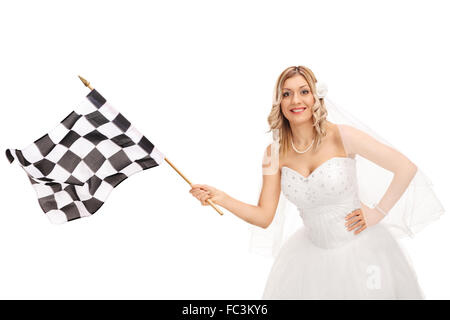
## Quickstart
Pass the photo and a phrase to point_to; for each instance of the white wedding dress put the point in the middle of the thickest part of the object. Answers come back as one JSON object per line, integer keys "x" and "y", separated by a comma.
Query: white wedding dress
{"x": 322, "y": 260}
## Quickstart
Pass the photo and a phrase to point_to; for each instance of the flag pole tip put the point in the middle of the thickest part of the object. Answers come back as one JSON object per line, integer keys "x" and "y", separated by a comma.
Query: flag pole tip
{"x": 85, "y": 82}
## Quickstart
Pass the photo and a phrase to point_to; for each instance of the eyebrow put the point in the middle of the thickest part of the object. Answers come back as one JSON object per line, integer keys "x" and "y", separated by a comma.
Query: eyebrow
{"x": 300, "y": 87}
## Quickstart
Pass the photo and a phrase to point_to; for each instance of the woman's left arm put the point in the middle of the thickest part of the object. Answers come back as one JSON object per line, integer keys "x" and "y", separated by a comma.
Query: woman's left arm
{"x": 404, "y": 170}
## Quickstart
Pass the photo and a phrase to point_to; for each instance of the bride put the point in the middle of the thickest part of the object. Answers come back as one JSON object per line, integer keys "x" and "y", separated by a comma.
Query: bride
{"x": 343, "y": 250}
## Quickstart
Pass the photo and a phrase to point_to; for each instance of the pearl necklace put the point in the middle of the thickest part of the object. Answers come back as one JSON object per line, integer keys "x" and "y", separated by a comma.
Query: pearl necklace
{"x": 293, "y": 147}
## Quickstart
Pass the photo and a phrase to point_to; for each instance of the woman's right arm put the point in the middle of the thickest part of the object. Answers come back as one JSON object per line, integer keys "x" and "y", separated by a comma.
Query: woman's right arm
{"x": 261, "y": 214}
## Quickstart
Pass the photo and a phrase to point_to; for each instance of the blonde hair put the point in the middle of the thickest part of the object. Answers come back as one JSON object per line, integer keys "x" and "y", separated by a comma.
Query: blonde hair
{"x": 278, "y": 121}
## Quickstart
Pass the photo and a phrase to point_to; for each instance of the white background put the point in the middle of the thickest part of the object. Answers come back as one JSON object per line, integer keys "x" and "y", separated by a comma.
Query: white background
{"x": 196, "y": 77}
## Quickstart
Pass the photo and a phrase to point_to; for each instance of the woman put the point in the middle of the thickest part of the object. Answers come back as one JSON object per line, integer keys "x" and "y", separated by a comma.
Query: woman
{"x": 342, "y": 252}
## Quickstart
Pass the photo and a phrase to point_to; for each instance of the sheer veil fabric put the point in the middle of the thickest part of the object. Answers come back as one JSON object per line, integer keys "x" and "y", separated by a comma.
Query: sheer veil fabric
{"x": 415, "y": 209}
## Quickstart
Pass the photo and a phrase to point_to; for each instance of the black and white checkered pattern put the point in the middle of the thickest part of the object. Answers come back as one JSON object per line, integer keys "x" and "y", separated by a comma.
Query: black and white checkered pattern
{"x": 75, "y": 167}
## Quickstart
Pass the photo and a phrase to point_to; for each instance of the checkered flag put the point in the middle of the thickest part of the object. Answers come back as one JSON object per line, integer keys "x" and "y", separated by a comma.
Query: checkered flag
{"x": 74, "y": 168}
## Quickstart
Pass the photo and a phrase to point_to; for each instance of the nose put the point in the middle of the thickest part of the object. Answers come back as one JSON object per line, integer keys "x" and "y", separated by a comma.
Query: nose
{"x": 296, "y": 98}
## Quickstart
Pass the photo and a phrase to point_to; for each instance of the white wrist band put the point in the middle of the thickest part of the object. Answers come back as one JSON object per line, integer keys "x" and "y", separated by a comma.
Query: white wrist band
{"x": 379, "y": 209}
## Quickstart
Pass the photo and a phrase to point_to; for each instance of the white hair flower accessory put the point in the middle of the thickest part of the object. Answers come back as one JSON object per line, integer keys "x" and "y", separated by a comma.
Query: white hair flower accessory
{"x": 321, "y": 89}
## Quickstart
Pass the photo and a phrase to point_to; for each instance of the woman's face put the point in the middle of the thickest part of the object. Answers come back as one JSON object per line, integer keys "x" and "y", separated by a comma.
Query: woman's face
{"x": 297, "y": 100}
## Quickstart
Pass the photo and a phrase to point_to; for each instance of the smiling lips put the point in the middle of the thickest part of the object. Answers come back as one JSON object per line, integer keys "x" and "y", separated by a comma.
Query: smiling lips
{"x": 298, "y": 110}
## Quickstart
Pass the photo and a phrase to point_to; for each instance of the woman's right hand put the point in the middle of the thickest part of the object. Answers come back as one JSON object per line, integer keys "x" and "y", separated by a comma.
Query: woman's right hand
{"x": 204, "y": 192}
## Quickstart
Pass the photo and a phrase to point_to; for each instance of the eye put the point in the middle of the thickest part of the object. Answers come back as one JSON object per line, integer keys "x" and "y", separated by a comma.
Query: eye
{"x": 307, "y": 91}
{"x": 285, "y": 94}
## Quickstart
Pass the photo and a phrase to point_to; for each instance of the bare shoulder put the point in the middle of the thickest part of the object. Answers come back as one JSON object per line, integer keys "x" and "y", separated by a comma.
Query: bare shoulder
{"x": 349, "y": 136}
{"x": 331, "y": 129}
{"x": 348, "y": 131}
{"x": 339, "y": 138}
{"x": 335, "y": 128}
{"x": 342, "y": 130}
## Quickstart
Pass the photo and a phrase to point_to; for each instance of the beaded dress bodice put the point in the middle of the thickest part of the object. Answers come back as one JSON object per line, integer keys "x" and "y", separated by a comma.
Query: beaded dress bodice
{"x": 323, "y": 199}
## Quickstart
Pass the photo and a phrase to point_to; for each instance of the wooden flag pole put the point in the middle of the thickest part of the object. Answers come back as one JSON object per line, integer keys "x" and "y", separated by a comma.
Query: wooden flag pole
{"x": 87, "y": 84}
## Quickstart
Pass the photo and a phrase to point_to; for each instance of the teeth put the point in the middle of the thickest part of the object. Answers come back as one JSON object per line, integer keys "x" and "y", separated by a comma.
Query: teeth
{"x": 298, "y": 110}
